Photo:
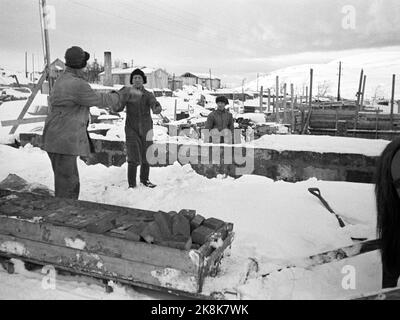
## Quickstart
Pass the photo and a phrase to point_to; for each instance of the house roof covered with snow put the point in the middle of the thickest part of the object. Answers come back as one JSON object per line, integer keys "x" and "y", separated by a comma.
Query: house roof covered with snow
{"x": 146, "y": 70}
{"x": 199, "y": 75}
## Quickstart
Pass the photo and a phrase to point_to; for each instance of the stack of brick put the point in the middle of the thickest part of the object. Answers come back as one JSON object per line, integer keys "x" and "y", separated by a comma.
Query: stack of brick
{"x": 184, "y": 230}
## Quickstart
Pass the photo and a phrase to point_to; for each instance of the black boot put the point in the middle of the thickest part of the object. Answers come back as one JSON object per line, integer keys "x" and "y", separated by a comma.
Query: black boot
{"x": 144, "y": 175}
{"x": 132, "y": 170}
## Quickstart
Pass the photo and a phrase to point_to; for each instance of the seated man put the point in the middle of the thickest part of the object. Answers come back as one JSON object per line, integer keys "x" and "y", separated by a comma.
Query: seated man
{"x": 220, "y": 123}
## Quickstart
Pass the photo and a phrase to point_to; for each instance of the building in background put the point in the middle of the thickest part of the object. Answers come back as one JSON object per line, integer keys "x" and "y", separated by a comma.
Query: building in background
{"x": 156, "y": 78}
{"x": 203, "y": 79}
{"x": 175, "y": 83}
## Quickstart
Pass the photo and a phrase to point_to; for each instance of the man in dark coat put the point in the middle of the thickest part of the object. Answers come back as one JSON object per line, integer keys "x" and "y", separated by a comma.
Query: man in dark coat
{"x": 65, "y": 133}
{"x": 219, "y": 120}
{"x": 139, "y": 128}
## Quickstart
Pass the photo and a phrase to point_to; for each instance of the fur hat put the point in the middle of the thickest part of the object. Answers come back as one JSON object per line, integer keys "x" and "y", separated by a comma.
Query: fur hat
{"x": 222, "y": 99}
{"x": 140, "y": 73}
{"x": 76, "y": 58}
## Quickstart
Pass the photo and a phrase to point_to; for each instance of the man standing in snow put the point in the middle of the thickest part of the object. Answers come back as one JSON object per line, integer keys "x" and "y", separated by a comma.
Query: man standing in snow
{"x": 220, "y": 123}
{"x": 65, "y": 135}
{"x": 139, "y": 128}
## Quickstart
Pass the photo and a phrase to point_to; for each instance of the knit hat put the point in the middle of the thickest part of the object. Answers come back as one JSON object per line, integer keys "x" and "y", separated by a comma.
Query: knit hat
{"x": 140, "y": 73}
{"x": 222, "y": 99}
{"x": 76, "y": 58}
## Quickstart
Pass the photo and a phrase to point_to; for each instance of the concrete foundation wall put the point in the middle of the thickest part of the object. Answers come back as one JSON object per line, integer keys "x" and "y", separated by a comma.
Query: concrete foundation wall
{"x": 286, "y": 165}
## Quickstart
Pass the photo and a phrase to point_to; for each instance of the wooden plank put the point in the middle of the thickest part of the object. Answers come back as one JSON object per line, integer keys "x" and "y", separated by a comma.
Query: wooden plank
{"x": 30, "y": 99}
{"x": 97, "y": 243}
{"x": 217, "y": 253}
{"x": 211, "y": 264}
{"x": 99, "y": 264}
{"x": 386, "y": 294}
{"x": 8, "y": 123}
{"x": 176, "y": 292}
{"x": 333, "y": 255}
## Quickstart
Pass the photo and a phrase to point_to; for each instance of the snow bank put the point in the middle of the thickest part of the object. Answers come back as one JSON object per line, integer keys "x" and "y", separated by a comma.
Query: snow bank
{"x": 322, "y": 144}
{"x": 274, "y": 222}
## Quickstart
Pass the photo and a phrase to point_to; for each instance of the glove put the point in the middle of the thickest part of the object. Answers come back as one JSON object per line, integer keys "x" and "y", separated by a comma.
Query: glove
{"x": 157, "y": 109}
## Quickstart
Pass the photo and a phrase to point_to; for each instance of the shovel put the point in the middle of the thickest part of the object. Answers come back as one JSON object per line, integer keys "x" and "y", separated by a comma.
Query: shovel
{"x": 165, "y": 119}
{"x": 316, "y": 192}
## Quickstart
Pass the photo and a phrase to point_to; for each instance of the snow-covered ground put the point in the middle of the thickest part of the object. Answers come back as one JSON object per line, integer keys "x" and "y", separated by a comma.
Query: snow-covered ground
{"x": 274, "y": 222}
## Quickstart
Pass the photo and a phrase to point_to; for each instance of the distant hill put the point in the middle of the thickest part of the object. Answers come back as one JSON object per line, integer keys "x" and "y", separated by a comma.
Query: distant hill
{"x": 378, "y": 65}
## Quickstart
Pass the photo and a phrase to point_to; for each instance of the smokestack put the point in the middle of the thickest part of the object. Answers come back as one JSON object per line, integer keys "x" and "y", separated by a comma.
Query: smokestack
{"x": 108, "y": 80}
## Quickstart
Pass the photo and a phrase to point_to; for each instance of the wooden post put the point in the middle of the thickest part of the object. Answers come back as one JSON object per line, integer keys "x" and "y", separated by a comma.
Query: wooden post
{"x": 269, "y": 99}
{"x": 261, "y": 98}
{"x": 359, "y": 89}
{"x": 392, "y": 102}
{"x": 210, "y": 81}
{"x": 33, "y": 68}
{"x": 277, "y": 99}
{"x": 30, "y": 99}
{"x": 292, "y": 105}
{"x": 336, "y": 122}
{"x": 360, "y": 106}
{"x": 363, "y": 92}
{"x": 340, "y": 75}
{"x": 257, "y": 81}
{"x": 306, "y": 95}
{"x": 26, "y": 64}
{"x": 311, "y": 85}
{"x": 273, "y": 104}
{"x": 284, "y": 104}
{"x": 243, "y": 94}
{"x": 233, "y": 101}
{"x": 176, "y": 102}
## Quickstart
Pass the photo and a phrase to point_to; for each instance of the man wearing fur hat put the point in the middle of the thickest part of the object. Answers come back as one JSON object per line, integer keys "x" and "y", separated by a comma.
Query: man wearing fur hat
{"x": 139, "y": 128}
{"x": 220, "y": 122}
{"x": 65, "y": 135}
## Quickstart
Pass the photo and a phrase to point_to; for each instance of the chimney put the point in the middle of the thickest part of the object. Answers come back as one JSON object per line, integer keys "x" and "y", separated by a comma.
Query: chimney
{"x": 108, "y": 80}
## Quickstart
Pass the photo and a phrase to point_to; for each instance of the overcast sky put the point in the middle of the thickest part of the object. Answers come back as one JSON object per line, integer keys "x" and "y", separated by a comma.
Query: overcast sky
{"x": 235, "y": 38}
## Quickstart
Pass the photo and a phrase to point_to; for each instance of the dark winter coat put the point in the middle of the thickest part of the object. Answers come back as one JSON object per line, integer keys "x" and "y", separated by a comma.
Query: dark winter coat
{"x": 65, "y": 129}
{"x": 139, "y": 125}
{"x": 220, "y": 120}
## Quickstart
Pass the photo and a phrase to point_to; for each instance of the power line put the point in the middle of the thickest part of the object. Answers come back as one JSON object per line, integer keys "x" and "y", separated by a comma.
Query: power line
{"x": 146, "y": 25}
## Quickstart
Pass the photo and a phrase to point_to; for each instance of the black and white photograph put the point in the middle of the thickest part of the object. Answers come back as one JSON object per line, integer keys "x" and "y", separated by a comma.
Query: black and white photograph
{"x": 207, "y": 151}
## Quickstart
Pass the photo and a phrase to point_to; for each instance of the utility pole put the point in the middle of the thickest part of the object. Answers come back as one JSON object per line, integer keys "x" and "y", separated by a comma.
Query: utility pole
{"x": 46, "y": 41}
{"x": 340, "y": 75}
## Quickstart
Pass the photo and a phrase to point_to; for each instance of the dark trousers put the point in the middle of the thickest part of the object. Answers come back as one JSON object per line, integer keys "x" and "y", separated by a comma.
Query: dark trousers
{"x": 66, "y": 176}
{"x": 389, "y": 277}
{"x": 132, "y": 172}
